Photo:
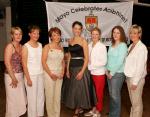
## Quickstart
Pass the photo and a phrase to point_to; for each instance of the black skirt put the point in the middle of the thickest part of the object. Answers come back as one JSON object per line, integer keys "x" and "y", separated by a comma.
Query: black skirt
{"x": 78, "y": 93}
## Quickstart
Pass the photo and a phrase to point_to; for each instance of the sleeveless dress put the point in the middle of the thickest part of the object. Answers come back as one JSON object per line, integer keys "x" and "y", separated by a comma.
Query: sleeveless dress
{"x": 78, "y": 93}
{"x": 53, "y": 88}
{"x": 15, "y": 97}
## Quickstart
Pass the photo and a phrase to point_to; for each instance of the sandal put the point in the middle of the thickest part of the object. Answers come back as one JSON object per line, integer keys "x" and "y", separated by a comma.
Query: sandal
{"x": 76, "y": 115}
{"x": 81, "y": 111}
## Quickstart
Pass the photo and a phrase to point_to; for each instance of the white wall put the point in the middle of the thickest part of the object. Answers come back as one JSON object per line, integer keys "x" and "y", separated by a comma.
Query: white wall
{"x": 8, "y": 23}
{"x": 2, "y": 38}
{"x": 5, "y": 26}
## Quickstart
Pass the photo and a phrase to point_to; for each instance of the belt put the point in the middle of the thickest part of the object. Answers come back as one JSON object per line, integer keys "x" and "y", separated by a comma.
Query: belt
{"x": 77, "y": 58}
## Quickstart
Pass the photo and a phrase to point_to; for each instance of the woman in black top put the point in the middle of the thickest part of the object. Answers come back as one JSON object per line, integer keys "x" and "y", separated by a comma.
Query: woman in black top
{"x": 78, "y": 91}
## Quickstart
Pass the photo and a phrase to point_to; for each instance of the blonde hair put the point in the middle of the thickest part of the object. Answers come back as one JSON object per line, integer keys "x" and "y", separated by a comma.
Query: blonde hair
{"x": 135, "y": 26}
{"x": 96, "y": 29}
{"x": 15, "y": 28}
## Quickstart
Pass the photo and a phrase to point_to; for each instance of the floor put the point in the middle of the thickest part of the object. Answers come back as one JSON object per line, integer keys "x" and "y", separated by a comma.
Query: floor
{"x": 65, "y": 112}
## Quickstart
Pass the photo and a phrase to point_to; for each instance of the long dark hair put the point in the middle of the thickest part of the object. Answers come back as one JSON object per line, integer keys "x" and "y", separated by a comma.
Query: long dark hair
{"x": 122, "y": 34}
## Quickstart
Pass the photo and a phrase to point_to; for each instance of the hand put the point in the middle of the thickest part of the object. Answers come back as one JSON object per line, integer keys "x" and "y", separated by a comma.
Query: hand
{"x": 133, "y": 87}
{"x": 53, "y": 76}
{"x": 61, "y": 75}
{"x": 79, "y": 75}
{"x": 14, "y": 83}
{"x": 68, "y": 74}
{"x": 107, "y": 72}
{"x": 29, "y": 82}
{"x": 109, "y": 76}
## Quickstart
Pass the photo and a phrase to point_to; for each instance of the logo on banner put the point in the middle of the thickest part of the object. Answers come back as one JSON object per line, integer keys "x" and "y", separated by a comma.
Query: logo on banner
{"x": 91, "y": 21}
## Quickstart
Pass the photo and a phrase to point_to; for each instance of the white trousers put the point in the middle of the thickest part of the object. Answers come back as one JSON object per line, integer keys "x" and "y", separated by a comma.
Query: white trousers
{"x": 35, "y": 96}
{"x": 15, "y": 97}
{"x": 53, "y": 96}
{"x": 136, "y": 98}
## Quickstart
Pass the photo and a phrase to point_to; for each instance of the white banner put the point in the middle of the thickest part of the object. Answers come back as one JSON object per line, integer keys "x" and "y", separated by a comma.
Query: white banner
{"x": 103, "y": 15}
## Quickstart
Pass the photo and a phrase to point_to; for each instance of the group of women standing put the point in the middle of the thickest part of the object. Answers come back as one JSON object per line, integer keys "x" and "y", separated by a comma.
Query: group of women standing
{"x": 87, "y": 67}
{"x": 41, "y": 70}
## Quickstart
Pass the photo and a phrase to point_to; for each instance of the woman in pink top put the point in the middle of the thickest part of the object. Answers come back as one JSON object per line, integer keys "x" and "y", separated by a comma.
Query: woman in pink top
{"x": 14, "y": 84}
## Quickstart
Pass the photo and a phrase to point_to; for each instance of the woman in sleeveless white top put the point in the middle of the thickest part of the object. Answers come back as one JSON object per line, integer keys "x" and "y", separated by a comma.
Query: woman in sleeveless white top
{"x": 32, "y": 65}
{"x": 53, "y": 63}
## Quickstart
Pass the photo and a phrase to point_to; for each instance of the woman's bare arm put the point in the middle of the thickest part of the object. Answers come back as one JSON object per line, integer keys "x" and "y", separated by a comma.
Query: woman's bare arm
{"x": 85, "y": 50}
{"x": 44, "y": 60}
{"x": 7, "y": 60}
{"x": 24, "y": 62}
{"x": 86, "y": 57}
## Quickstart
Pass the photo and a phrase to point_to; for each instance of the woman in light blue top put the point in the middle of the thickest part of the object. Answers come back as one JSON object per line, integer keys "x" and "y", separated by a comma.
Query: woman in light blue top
{"x": 115, "y": 67}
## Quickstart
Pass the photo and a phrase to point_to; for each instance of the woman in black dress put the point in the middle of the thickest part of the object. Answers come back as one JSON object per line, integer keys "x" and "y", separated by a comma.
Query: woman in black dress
{"x": 78, "y": 91}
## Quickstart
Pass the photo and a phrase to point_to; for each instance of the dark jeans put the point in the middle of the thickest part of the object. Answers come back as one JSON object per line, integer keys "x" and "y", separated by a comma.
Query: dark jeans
{"x": 115, "y": 85}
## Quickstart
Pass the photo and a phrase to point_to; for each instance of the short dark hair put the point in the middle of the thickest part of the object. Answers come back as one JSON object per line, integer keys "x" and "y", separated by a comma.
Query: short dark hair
{"x": 122, "y": 34}
{"x": 54, "y": 29}
{"x": 77, "y": 23}
{"x": 33, "y": 27}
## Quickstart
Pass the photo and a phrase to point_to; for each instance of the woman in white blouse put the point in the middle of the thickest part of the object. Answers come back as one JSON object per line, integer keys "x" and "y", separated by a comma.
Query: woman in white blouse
{"x": 97, "y": 62}
{"x": 135, "y": 70}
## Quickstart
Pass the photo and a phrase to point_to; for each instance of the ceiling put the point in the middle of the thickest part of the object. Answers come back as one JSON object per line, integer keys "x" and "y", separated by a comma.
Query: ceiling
{"x": 4, "y": 3}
